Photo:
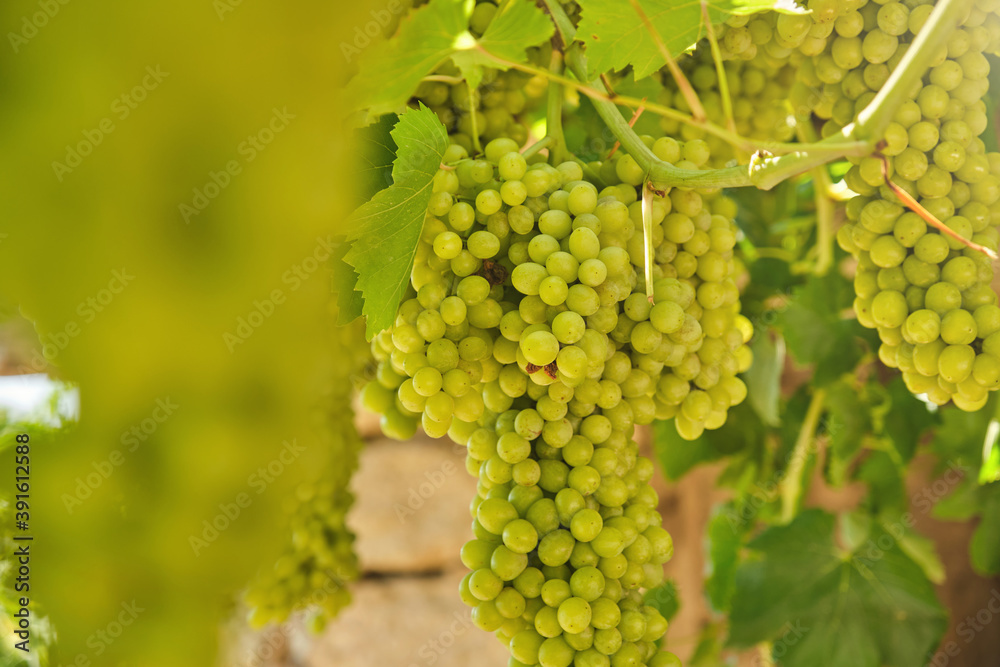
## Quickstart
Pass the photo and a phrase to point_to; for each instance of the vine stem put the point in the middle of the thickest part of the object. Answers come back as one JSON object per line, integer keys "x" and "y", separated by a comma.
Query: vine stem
{"x": 535, "y": 147}
{"x": 911, "y": 203}
{"x": 857, "y": 148}
{"x": 790, "y": 487}
{"x": 553, "y": 115}
{"x": 766, "y": 172}
{"x": 563, "y": 23}
{"x": 720, "y": 69}
{"x": 631, "y": 123}
{"x": 472, "y": 120}
{"x": 875, "y": 118}
{"x": 825, "y": 211}
{"x": 647, "y": 237}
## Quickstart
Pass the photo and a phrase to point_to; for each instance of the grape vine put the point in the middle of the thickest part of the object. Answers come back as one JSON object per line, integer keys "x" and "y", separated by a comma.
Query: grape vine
{"x": 544, "y": 301}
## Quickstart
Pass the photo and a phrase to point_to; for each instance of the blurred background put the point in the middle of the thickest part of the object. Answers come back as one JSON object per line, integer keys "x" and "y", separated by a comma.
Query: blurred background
{"x": 173, "y": 178}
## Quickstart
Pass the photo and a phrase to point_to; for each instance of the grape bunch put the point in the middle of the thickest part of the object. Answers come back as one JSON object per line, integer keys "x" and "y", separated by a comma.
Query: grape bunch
{"x": 759, "y": 91}
{"x": 529, "y": 338}
{"x": 762, "y": 54}
{"x": 928, "y": 294}
{"x": 493, "y": 110}
{"x": 536, "y": 278}
{"x": 318, "y": 560}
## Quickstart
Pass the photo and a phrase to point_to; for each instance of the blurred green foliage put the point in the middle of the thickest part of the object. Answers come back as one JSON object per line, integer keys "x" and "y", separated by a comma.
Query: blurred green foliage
{"x": 227, "y": 107}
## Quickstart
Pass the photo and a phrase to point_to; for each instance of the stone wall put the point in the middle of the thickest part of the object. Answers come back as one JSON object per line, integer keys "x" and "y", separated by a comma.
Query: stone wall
{"x": 411, "y": 518}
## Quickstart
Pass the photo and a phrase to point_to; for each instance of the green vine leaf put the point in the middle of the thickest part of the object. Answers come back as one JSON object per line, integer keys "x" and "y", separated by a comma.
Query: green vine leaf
{"x": 615, "y": 36}
{"x": 906, "y": 419}
{"x": 725, "y": 538}
{"x": 960, "y": 438}
{"x": 815, "y": 330}
{"x": 515, "y": 27}
{"x": 350, "y": 304}
{"x": 376, "y": 151}
{"x": 872, "y": 606}
{"x": 390, "y": 72}
{"x": 764, "y": 377}
{"x": 385, "y": 230}
{"x": 984, "y": 549}
{"x": 848, "y": 422}
{"x": 742, "y": 431}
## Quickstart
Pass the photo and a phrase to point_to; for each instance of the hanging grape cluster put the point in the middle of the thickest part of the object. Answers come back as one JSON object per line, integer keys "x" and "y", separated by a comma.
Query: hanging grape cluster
{"x": 529, "y": 337}
{"x": 318, "y": 560}
{"x": 928, "y": 294}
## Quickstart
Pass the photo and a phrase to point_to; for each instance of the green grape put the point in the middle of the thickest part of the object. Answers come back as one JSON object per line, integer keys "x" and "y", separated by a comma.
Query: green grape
{"x": 531, "y": 340}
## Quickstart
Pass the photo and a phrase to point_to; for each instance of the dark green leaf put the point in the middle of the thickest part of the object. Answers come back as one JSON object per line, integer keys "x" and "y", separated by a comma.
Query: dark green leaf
{"x": 906, "y": 419}
{"x": 764, "y": 377}
{"x": 385, "y": 230}
{"x": 815, "y": 331}
{"x": 376, "y": 151}
{"x": 820, "y": 606}
{"x": 920, "y": 549}
{"x": 350, "y": 303}
{"x": 985, "y": 546}
{"x": 963, "y": 503}
{"x": 742, "y": 430}
{"x": 848, "y": 421}
{"x": 708, "y": 652}
{"x": 725, "y": 536}
{"x": 885, "y": 482}
{"x": 960, "y": 437}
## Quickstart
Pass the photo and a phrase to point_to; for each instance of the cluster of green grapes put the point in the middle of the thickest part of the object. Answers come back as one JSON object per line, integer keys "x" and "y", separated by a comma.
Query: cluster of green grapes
{"x": 928, "y": 294}
{"x": 529, "y": 338}
{"x": 492, "y": 111}
{"x": 762, "y": 53}
{"x": 319, "y": 560}
{"x": 759, "y": 92}
{"x": 497, "y": 107}
{"x": 782, "y": 36}
{"x": 537, "y": 278}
